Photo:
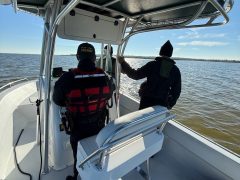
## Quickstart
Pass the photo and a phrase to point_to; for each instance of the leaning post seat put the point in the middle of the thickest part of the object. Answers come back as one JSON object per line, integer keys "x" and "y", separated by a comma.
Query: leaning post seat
{"x": 123, "y": 144}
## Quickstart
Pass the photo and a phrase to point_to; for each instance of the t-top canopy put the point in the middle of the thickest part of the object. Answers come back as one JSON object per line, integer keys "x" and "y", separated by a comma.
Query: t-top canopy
{"x": 144, "y": 15}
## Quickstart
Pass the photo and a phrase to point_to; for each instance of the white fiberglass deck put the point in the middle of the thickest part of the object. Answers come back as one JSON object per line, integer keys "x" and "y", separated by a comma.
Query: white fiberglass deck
{"x": 163, "y": 165}
{"x": 24, "y": 117}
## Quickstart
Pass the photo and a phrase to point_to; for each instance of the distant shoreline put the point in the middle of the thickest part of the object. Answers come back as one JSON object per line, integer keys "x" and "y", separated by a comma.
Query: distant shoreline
{"x": 153, "y": 57}
{"x": 185, "y": 59}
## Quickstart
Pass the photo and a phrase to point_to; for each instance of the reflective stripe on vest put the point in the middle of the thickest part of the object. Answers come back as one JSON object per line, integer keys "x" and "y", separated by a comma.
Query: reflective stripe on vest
{"x": 89, "y": 75}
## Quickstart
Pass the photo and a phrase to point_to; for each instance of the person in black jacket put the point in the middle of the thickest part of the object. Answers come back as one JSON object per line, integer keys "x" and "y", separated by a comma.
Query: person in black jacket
{"x": 163, "y": 84}
{"x": 84, "y": 92}
{"x": 110, "y": 71}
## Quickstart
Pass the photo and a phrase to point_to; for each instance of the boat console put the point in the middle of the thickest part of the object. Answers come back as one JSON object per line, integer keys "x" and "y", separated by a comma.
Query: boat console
{"x": 60, "y": 152}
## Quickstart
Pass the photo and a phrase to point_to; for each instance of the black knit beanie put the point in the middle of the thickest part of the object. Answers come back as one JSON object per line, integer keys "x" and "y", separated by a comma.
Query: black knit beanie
{"x": 166, "y": 49}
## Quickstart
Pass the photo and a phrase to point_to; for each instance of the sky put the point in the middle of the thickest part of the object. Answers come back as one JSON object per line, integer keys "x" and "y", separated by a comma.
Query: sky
{"x": 22, "y": 32}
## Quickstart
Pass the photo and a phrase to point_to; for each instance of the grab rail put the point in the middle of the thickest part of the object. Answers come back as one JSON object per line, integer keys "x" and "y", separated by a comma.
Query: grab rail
{"x": 13, "y": 83}
{"x": 111, "y": 144}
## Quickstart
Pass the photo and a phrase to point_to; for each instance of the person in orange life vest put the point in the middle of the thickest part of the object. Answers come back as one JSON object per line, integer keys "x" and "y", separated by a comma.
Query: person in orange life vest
{"x": 163, "y": 84}
{"x": 84, "y": 92}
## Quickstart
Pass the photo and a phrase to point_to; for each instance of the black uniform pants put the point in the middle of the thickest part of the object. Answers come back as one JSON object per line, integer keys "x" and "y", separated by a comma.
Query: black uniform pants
{"x": 146, "y": 102}
{"x": 82, "y": 132}
{"x": 74, "y": 142}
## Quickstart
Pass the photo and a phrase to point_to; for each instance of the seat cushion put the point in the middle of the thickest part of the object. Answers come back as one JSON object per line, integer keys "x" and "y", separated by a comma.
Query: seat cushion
{"x": 88, "y": 144}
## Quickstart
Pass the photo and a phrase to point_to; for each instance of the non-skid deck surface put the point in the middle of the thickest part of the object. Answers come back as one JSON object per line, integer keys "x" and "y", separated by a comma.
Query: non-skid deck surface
{"x": 28, "y": 155}
{"x": 162, "y": 166}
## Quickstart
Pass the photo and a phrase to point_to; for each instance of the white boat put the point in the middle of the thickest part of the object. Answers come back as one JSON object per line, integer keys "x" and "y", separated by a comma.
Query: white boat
{"x": 144, "y": 144}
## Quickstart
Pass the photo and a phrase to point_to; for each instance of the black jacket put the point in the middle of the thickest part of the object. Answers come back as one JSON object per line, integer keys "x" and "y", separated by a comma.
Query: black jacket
{"x": 163, "y": 87}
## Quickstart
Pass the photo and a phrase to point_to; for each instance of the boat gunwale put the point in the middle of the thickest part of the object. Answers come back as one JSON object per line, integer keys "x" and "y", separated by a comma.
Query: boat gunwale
{"x": 16, "y": 82}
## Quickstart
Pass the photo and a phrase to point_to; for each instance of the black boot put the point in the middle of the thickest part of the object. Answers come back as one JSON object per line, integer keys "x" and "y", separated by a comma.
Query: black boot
{"x": 71, "y": 178}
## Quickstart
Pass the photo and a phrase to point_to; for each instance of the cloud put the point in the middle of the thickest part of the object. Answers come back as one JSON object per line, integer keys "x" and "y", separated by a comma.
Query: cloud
{"x": 220, "y": 35}
{"x": 195, "y": 49}
{"x": 196, "y": 35}
{"x": 190, "y": 35}
{"x": 203, "y": 43}
{"x": 177, "y": 49}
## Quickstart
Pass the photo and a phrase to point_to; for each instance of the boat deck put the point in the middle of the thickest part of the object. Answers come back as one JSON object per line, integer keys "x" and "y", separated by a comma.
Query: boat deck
{"x": 162, "y": 165}
{"x": 28, "y": 154}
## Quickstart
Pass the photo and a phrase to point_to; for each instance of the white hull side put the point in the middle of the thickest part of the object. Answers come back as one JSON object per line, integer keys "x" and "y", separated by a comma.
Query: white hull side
{"x": 190, "y": 155}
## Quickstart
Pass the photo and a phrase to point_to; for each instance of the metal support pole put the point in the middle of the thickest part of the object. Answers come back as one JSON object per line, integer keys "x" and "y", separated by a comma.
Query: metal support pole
{"x": 55, "y": 21}
{"x": 47, "y": 56}
{"x": 15, "y": 6}
{"x": 133, "y": 28}
{"x": 102, "y": 51}
{"x": 42, "y": 64}
{"x": 148, "y": 170}
{"x": 118, "y": 70}
{"x": 108, "y": 62}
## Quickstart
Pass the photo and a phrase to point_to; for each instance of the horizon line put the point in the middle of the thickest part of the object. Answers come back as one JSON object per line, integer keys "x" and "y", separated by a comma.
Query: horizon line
{"x": 145, "y": 57}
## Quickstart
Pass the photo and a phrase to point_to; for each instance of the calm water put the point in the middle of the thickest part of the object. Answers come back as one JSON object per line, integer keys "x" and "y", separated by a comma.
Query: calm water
{"x": 209, "y": 103}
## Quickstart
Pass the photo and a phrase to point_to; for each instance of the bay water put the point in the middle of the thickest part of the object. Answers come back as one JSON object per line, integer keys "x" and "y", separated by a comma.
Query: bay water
{"x": 209, "y": 102}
